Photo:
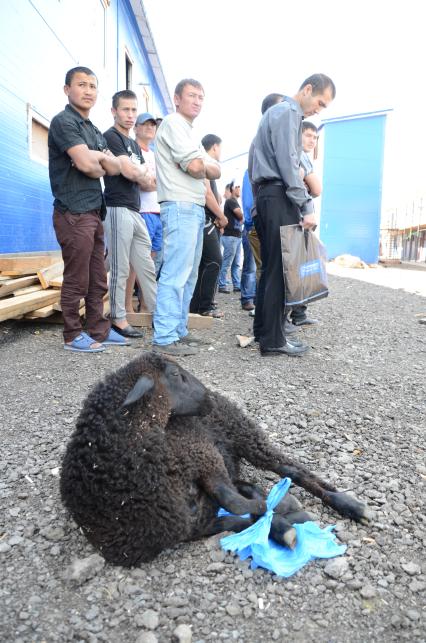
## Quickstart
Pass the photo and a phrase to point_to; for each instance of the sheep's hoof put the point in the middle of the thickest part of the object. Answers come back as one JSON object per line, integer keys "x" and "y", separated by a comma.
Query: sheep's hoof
{"x": 348, "y": 506}
{"x": 289, "y": 538}
{"x": 299, "y": 517}
{"x": 283, "y": 532}
{"x": 288, "y": 504}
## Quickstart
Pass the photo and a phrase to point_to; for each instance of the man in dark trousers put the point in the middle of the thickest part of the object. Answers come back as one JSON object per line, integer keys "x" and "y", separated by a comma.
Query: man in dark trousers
{"x": 78, "y": 157}
{"x": 282, "y": 199}
{"x": 211, "y": 258}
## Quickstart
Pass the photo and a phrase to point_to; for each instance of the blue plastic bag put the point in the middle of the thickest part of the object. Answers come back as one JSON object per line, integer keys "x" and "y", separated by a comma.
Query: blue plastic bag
{"x": 312, "y": 541}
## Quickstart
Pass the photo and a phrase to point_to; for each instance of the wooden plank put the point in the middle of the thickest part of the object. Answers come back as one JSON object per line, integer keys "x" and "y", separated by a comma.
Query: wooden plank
{"x": 57, "y": 282}
{"x": 145, "y": 319}
{"x": 57, "y": 306}
{"x": 10, "y": 285}
{"x": 26, "y": 303}
{"x": 41, "y": 313}
{"x": 26, "y": 291}
{"x": 199, "y": 322}
{"x": 140, "y": 319}
{"x": 51, "y": 272}
{"x": 26, "y": 265}
{"x": 22, "y": 262}
{"x": 54, "y": 318}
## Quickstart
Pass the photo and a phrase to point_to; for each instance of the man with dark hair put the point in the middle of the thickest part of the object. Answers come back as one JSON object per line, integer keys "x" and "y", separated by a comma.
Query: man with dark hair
{"x": 78, "y": 157}
{"x": 127, "y": 235}
{"x": 282, "y": 199}
{"x": 211, "y": 258}
{"x": 182, "y": 167}
{"x": 313, "y": 184}
{"x": 231, "y": 242}
{"x": 269, "y": 100}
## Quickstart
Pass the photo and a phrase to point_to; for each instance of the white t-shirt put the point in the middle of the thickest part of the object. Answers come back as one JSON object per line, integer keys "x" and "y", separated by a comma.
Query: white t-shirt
{"x": 149, "y": 201}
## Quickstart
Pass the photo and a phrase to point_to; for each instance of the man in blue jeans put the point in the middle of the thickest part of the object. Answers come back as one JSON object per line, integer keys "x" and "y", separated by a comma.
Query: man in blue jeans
{"x": 182, "y": 167}
{"x": 248, "y": 275}
{"x": 231, "y": 242}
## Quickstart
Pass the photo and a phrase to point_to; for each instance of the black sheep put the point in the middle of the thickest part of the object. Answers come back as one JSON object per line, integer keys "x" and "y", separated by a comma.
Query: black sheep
{"x": 154, "y": 455}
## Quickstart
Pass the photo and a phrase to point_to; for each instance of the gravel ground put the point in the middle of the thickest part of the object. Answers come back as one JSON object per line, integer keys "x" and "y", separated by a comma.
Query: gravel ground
{"x": 353, "y": 409}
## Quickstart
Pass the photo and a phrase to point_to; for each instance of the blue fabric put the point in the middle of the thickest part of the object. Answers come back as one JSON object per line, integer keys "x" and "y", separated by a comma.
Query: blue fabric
{"x": 248, "y": 274}
{"x": 155, "y": 229}
{"x": 183, "y": 225}
{"x": 247, "y": 200}
{"x": 312, "y": 541}
{"x": 231, "y": 260}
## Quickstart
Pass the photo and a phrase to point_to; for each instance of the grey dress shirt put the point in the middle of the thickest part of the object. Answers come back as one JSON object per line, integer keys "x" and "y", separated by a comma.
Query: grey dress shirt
{"x": 277, "y": 152}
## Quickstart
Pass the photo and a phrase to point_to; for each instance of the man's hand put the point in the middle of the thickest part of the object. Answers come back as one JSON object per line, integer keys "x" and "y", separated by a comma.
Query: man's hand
{"x": 309, "y": 222}
{"x": 110, "y": 163}
{"x": 221, "y": 221}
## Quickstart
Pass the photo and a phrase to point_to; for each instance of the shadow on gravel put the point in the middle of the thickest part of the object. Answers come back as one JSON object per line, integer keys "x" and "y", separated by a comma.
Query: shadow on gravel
{"x": 12, "y": 332}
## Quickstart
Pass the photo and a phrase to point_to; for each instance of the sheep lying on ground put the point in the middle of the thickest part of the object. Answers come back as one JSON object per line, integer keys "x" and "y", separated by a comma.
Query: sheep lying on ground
{"x": 155, "y": 454}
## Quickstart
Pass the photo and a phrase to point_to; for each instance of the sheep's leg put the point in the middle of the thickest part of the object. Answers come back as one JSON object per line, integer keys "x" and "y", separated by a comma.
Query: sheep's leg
{"x": 262, "y": 454}
{"x": 213, "y": 477}
{"x": 227, "y": 523}
{"x": 289, "y": 504}
{"x": 222, "y": 490}
{"x": 281, "y": 530}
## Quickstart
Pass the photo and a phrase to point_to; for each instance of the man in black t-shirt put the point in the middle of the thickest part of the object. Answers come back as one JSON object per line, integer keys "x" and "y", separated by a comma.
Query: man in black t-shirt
{"x": 78, "y": 157}
{"x": 231, "y": 241}
{"x": 211, "y": 258}
{"x": 127, "y": 235}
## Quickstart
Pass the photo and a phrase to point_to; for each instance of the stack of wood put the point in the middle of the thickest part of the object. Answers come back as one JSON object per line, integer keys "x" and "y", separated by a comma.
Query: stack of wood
{"x": 30, "y": 288}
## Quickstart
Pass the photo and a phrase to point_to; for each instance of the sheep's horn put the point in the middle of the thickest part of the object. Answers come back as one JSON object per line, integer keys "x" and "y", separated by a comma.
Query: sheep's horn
{"x": 142, "y": 386}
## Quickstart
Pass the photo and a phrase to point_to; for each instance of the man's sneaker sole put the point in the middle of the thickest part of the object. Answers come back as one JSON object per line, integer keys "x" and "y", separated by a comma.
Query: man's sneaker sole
{"x": 175, "y": 350}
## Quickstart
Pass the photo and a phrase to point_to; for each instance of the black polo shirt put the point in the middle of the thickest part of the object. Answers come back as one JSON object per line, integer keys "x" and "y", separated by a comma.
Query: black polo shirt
{"x": 73, "y": 190}
{"x": 119, "y": 191}
{"x": 234, "y": 227}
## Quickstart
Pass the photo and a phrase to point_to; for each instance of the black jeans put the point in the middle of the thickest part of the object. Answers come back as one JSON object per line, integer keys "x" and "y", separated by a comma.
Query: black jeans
{"x": 274, "y": 209}
{"x": 208, "y": 272}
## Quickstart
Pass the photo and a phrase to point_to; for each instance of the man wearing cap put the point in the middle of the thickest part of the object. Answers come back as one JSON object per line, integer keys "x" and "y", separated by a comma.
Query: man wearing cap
{"x": 182, "y": 167}
{"x": 145, "y": 130}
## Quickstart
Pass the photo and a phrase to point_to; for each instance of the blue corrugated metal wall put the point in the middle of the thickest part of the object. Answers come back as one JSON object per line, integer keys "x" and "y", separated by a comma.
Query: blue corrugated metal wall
{"x": 352, "y": 187}
{"x": 39, "y": 41}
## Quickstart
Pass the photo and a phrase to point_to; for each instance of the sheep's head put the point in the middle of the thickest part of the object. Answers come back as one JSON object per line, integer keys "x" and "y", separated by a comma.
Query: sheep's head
{"x": 186, "y": 395}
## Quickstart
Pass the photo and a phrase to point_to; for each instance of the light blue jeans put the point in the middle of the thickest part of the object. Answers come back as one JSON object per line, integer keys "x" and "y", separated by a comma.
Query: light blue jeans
{"x": 231, "y": 260}
{"x": 183, "y": 225}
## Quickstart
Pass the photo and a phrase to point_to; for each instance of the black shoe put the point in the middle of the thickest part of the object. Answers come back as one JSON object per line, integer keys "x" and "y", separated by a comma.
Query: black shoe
{"x": 308, "y": 321}
{"x": 287, "y": 349}
{"x": 128, "y": 331}
{"x": 237, "y": 289}
{"x": 224, "y": 291}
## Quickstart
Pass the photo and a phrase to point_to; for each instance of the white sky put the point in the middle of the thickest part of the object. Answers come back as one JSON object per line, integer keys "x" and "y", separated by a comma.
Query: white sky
{"x": 241, "y": 50}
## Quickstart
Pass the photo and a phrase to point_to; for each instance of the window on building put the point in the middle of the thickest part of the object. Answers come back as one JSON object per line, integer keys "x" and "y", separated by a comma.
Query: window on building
{"x": 38, "y": 129}
{"x": 128, "y": 72}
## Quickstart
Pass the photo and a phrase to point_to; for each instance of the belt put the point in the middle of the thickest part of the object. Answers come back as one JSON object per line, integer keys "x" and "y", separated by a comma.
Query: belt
{"x": 262, "y": 184}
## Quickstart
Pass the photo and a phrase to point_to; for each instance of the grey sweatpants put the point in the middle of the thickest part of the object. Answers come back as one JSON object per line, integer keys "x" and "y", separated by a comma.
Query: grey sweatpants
{"x": 128, "y": 243}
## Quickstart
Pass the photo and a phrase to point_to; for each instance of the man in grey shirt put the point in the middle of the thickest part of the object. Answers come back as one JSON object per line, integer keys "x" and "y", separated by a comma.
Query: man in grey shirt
{"x": 282, "y": 199}
{"x": 182, "y": 166}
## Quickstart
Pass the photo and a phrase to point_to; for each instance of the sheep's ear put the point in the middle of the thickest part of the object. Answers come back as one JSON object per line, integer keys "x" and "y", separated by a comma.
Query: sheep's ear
{"x": 142, "y": 386}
